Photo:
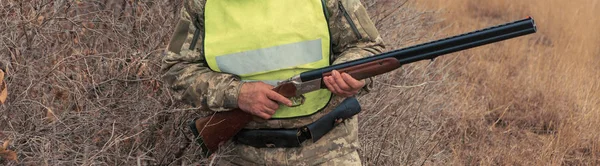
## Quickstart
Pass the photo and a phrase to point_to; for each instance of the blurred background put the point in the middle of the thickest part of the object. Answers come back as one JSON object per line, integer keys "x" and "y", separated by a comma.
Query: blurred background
{"x": 84, "y": 86}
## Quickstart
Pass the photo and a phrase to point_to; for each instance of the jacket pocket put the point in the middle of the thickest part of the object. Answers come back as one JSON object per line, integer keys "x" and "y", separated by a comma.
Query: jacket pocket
{"x": 179, "y": 37}
{"x": 365, "y": 23}
{"x": 349, "y": 20}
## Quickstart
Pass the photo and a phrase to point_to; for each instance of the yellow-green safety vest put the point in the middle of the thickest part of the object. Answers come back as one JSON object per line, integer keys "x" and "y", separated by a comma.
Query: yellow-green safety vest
{"x": 269, "y": 41}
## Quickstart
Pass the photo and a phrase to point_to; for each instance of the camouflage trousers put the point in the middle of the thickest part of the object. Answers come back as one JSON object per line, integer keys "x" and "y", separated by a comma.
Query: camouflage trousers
{"x": 338, "y": 147}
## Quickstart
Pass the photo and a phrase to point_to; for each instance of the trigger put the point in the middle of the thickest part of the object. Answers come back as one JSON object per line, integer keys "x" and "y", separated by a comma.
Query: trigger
{"x": 297, "y": 100}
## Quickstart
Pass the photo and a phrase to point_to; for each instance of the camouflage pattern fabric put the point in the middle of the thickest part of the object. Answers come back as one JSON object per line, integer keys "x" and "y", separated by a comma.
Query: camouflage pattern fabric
{"x": 339, "y": 146}
{"x": 197, "y": 85}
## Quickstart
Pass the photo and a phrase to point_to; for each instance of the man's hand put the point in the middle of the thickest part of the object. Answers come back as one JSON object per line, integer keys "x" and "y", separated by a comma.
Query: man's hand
{"x": 258, "y": 98}
{"x": 343, "y": 84}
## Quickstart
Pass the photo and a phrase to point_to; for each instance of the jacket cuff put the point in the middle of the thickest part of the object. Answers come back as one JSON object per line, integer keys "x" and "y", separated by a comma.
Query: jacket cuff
{"x": 231, "y": 95}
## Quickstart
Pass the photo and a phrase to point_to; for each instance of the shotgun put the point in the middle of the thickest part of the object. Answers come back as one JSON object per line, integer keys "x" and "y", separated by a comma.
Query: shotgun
{"x": 213, "y": 130}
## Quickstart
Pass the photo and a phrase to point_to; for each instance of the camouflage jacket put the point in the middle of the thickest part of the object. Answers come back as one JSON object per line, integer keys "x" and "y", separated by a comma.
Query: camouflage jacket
{"x": 353, "y": 36}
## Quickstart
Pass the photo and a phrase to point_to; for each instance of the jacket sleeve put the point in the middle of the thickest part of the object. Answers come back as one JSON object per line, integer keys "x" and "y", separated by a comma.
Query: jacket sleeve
{"x": 353, "y": 33}
{"x": 189, "y": 76}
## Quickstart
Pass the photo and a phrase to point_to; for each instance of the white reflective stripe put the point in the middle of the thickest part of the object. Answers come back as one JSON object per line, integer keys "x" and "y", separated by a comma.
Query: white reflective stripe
{"x": 272, "y": 58}
{"x": 270, "y": 82}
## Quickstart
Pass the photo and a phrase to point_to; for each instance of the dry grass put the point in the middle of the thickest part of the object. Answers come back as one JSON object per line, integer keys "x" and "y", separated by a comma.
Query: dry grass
{"x": 530, "y": 101}
{"x": 401, "y": 118}
{"x": 527, "y": 101}
{"x": 85, "y": 89}
{"x": 85, "y": 86}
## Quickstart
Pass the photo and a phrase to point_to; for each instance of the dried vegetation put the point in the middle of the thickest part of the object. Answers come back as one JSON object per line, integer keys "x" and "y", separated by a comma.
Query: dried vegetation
{"x": 85, "y": 89}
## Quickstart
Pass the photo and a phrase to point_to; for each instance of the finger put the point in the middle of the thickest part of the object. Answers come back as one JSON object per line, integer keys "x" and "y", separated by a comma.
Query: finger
{"x": 340, "y": 81}
{"x": 258, "y": 111}
{"x": 328, "y": 84}
{"x": 262, "y": 115}
{"x": 271, "y": 105}
{"x": 334, "y": 86}
{"x": 279, "y": 98}
{"x": 338, "y": 90}
{"x": 353, "y": 83}
{"x": 269, "y": 111}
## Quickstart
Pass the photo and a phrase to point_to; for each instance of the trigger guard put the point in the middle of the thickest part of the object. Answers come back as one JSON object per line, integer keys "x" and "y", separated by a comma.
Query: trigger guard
{"x": 297, "y": 100}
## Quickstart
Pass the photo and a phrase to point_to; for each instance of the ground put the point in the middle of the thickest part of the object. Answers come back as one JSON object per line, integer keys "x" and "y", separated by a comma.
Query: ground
{"x": 85, "y": 89}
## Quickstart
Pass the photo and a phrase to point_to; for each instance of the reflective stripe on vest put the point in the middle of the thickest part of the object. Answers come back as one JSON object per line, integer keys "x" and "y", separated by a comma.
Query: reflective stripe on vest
{"x": 269, "y": 40}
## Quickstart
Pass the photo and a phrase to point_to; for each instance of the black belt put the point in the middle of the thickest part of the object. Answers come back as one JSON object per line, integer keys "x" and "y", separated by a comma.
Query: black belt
{"x": 262, "y": 138}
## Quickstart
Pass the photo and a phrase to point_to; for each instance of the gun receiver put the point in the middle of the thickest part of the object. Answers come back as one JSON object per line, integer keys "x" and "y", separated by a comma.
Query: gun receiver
{"x": 220, "y": 127}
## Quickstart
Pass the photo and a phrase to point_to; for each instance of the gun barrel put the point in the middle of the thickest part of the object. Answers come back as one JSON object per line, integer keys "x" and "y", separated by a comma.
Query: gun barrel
{"x": 437, "y": 48}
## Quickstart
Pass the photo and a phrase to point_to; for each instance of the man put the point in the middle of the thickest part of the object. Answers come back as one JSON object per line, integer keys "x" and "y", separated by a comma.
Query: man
{"x": 245, "y": 47}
